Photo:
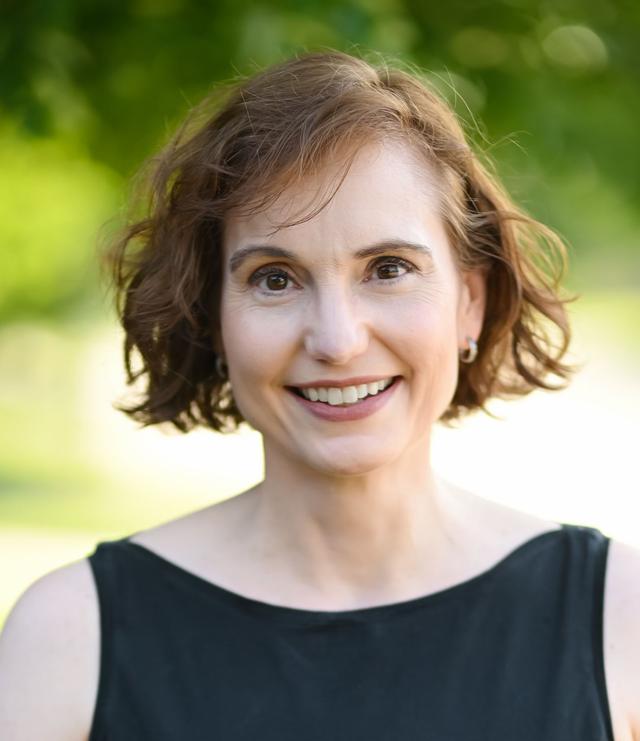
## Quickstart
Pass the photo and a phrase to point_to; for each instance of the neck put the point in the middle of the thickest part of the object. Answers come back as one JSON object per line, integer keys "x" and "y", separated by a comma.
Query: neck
{"x": 371, "y": 537}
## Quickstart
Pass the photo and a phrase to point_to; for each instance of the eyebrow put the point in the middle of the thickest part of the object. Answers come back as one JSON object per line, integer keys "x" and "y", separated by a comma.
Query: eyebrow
{"x": 268, "y": 250}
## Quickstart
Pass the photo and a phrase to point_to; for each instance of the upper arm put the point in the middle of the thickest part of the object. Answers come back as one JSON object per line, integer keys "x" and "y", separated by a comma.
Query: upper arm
{"x": 49, "y": 658}
{"x": 622, "y": 639}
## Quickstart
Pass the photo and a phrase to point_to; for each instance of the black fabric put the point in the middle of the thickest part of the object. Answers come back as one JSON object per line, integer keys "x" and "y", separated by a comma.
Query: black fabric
{"x": 512, "y": 654}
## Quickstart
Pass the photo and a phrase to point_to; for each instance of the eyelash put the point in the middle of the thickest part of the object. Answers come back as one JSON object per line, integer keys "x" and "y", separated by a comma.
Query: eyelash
{"x": 271, "y": 270}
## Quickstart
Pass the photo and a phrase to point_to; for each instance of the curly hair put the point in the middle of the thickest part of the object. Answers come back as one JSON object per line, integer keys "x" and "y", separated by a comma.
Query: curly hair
{"x": 237, "y": 152}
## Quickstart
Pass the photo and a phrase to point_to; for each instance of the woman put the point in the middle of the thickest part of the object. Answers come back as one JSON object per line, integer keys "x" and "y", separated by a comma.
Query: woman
{"x": 325, "y": 258}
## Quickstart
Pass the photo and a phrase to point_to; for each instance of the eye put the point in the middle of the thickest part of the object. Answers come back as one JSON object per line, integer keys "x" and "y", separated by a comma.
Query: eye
{"x": 276, "y": 279}
{"x": 388, "y": 268}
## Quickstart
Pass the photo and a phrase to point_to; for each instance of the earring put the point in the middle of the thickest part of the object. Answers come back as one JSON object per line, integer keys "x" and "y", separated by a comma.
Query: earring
{"x": 221, "y": 368}
{"x": 470, "y": 354}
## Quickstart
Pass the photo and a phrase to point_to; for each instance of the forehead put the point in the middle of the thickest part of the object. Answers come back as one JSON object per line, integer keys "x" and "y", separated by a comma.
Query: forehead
{"x": 389, "y": 191}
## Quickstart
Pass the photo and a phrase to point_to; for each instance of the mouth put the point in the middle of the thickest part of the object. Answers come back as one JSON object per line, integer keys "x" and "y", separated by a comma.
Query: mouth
{"x": 347, "y": 397}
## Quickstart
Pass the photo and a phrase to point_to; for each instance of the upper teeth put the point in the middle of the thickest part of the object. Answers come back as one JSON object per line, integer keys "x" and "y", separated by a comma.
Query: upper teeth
{"x": 346, "y": 394}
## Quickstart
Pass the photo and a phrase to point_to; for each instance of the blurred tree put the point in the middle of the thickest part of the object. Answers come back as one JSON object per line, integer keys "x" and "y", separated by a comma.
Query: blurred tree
{"x": 555, "y": 84}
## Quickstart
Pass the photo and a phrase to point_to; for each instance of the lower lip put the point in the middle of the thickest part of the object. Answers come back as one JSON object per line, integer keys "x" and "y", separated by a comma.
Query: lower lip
{"x": 349, "y": 413}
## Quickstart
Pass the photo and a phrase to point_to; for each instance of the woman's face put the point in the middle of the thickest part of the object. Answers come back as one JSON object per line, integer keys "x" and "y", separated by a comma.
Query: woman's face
{"x": 323, "y": 314}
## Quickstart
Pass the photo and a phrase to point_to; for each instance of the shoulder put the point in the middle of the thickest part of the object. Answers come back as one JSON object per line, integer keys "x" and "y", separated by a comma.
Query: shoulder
{"x": 622, "y": 637}
{"x": 208, "y": 533}
{"x": 497, "y": 528}
{"x": 49, "y": 658}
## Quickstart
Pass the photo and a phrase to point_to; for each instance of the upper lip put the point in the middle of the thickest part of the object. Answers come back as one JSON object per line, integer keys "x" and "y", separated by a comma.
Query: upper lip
{"x": 341, "y": 383}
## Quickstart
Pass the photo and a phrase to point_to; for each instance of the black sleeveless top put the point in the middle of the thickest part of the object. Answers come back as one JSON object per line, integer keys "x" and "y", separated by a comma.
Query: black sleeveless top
{"x": 513, "y": 654}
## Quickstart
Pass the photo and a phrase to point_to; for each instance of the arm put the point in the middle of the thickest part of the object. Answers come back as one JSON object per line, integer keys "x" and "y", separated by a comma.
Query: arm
{"x": 49, "y": 658}
{"x": 622, "y": 639}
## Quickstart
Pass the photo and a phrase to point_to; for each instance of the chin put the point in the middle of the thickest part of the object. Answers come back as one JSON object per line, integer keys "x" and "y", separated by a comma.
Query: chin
{"x": 351, "y": 460}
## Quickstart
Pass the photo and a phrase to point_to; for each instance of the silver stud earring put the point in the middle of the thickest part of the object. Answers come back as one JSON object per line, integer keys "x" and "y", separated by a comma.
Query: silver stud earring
{"x": 221, "y": 368}
{"x": 470, "y": 354}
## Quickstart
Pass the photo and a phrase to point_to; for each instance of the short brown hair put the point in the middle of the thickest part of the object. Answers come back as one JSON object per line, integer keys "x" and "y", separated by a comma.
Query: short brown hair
{"x": 263, "y": 134}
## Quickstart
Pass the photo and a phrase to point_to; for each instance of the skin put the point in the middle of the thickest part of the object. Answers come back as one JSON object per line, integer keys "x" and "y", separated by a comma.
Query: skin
{"x": 369, "y": 517}
{"x": 349, "y": 514}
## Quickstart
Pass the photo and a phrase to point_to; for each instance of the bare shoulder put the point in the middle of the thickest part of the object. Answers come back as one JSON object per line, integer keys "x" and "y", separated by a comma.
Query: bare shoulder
{"x": 622, "y": 638}
{"x": 49, "y": 658}
{"x": 503, "y": 528}
{"x": 206, "y": 531}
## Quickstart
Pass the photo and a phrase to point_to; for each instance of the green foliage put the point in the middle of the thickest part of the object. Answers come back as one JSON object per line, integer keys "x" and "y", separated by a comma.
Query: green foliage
{"x": 52, "y": 201}
{"x": 92, "y": 88}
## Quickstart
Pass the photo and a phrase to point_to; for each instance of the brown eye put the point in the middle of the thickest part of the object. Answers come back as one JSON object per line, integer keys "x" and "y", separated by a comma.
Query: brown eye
{"x": 270, "y": 280}
{"x": 388, "y": 270}
{"x": 391, "y": 269}
{"x": 276, "y": 281}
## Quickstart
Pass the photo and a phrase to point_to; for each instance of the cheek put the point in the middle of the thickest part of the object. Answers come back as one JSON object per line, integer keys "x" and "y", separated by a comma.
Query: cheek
{"x": 429, "y": 347}
{"x": 429, "y": 325}
{"x": 432, "y": 353}
{"x": 252, "y": 347}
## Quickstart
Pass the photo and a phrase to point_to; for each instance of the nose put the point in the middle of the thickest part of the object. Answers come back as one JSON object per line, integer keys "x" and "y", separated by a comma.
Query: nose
{"x": 336, "y": 331}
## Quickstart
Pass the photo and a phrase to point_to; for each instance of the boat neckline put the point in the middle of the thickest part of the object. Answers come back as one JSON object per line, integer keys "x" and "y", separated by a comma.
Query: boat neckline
{"x": 286, "y": 612}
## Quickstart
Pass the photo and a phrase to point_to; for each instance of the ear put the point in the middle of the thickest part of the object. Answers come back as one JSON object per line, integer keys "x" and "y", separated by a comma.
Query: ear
{"x": 471, "y": 305}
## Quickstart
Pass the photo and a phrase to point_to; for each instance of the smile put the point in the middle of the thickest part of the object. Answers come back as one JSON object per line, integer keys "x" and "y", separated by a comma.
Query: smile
{"x": 336, "y": 396}
{"x": 345, "y": 411}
